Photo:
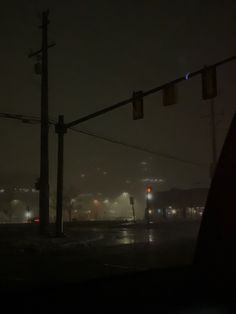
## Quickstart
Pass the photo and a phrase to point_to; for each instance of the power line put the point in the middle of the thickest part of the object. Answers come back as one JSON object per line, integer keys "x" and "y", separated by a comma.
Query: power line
{"x": 143, "y": 149}
{"x": 34, "y": 119}
{"x": 23, "y": 118}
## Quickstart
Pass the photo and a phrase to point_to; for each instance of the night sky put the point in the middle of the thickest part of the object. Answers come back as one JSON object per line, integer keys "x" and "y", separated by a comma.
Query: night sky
{"x": 104, "y": 51}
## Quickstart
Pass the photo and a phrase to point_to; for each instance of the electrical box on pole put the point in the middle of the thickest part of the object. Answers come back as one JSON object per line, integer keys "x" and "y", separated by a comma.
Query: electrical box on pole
{"x": 137, "y": 105}
{"x": 209, "y": 83}
{"x": 169, "y": 95}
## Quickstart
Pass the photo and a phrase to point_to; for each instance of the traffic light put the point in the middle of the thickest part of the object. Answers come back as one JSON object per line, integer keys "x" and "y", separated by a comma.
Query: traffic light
{"x": 169, "y": 95}
{"x": 137, "y": 105}
{"x": 149, "y": 189}
{"x": 209, "y": 83}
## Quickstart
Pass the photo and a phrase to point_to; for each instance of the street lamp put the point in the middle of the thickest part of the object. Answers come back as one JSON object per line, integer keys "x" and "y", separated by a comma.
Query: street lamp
{"x": 148, "y": 198}
{"x": 28, "y": 213}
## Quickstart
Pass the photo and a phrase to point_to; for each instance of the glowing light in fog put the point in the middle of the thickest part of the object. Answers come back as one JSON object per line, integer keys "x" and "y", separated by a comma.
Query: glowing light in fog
{"x": 27, "y": 214}
{"x": 95, "y": 202}
{"x": 15, "y": 202}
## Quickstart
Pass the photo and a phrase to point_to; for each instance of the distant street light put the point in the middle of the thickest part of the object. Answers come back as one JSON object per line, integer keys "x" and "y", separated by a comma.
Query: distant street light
{"x": 28, "y": 213}
{"x": 148, "y": 198}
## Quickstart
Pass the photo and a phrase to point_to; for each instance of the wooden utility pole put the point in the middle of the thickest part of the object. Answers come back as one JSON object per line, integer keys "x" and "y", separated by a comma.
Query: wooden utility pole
{"x": 44, "y": 160}
{"x": 44, "y": 177}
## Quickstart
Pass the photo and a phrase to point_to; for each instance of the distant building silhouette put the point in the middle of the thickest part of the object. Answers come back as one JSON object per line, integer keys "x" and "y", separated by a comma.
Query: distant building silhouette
{"x": 179, "y": 202}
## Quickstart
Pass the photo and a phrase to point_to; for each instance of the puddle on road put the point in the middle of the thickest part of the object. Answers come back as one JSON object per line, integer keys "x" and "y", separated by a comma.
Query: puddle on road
{"x": 129, "y": 237}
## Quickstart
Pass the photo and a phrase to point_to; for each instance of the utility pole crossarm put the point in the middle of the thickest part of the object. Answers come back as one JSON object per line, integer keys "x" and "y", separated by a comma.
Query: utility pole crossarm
{"x": 32, "y": 54}
{"x": 149, "y": 92}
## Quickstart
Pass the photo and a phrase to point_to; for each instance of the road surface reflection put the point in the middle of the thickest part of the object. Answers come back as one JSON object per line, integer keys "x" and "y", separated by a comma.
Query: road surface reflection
{"x": 129, "y": 236}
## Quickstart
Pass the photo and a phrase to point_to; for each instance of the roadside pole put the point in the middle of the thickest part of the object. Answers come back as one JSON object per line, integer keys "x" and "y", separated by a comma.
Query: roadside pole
{"x": 43, "y": 184}
{"x": 131, "y": 201}
{"x": 213, "y": 136}
{"x": 147, "y": 210}
{"x": 134, "y": 218}
{"x": 60, "y": 129}
{"x": 44, "y": 176}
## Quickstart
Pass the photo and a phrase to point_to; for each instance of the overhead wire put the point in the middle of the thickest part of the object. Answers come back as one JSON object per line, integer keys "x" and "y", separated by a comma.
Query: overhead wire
{"x": 35, "y": 119}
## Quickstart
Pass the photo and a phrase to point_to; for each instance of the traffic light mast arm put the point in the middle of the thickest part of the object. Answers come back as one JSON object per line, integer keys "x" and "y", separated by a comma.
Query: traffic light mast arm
{"x": 149, "y": 92}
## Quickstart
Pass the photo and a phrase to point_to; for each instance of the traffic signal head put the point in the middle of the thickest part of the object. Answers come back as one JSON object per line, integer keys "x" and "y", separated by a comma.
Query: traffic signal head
{"x": 149, "y": 189}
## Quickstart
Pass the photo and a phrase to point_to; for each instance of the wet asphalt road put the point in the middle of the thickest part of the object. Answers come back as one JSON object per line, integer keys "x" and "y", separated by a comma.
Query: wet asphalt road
{"x": 92, "y": 250}
{"x": 128, "y": 234}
